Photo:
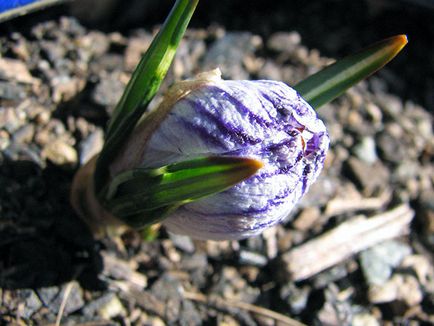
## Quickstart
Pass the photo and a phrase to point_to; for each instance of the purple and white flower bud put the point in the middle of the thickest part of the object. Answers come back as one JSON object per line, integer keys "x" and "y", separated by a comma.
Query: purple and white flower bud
{"x": 264, "y": 120}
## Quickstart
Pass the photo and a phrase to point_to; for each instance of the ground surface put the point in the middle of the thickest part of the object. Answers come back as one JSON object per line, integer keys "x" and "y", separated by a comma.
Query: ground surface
{"x": 358, "y": 250}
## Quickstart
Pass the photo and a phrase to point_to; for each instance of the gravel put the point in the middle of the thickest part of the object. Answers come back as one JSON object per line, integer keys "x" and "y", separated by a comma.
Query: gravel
{"x": 59, "y": 81}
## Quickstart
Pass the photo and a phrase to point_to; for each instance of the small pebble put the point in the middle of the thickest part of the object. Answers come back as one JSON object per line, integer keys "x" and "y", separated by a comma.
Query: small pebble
{"x": 60, "y": 153}
{"x": 400, "y": 287}
{"x": 91, "y": 146}
{"x": 366, "y": 150}
{"x": 378, "y": 262}
{"x": 284, "y": 42}
{"x": 252, "y": 258}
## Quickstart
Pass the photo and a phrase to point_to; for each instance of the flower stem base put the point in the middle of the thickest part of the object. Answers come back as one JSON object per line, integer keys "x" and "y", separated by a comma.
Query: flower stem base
{"x": 86, "y": 205}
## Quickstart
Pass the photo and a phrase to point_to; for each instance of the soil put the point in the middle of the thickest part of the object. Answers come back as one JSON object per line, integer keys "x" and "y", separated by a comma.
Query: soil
{"x": 60, "y": 80}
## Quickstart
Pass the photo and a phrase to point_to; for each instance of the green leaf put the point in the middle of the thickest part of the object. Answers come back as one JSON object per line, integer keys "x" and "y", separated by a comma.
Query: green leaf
{"x": 144, "y": 84}
{"x": 146, "y": 191}
{"x": 335, "y": 79}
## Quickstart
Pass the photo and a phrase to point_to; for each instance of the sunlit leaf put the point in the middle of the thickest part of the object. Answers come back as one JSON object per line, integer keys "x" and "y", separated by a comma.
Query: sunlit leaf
{"x": 335, "y": 79}
{"x": 144, "y": 84}
{"x": 148, "y": 191}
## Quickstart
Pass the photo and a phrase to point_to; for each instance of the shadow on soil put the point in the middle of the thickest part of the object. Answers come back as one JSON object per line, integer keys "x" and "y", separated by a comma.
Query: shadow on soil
{"x": 42, "y": 241}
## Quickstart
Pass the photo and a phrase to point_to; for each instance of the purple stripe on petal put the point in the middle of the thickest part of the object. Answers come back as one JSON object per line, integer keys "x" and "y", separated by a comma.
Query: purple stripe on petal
{"x": 265, "y": 120}
{"x": 234, "y": 133}
{"x": 203, "y": 133}
{"x": 240, "y": 106}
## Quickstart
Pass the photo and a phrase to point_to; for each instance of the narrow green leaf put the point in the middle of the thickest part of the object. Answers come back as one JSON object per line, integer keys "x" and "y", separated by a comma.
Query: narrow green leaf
{"x": 147, "y": 190}
{"x": 144, "y": 84}
{"x": 335, "y": 79}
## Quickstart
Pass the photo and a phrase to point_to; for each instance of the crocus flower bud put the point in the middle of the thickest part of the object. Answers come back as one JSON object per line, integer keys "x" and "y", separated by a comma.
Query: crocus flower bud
{"x": 264, "y": 120}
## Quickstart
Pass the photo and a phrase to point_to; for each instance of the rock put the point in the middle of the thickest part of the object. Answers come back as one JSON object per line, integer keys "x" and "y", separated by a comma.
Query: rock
{"x": 168, "y": 289}
{"x": 421, "y": 266}
{"x": 374, "y": 115}
{"x": 255, "y": 244}
{"x": 335, "y": 311}
{"x": 391, "y": 147}
{"x": 378, "y": 262}
{"x": 400, "y": 287}
{"x": 320, "y": 192}
{"x": 93, "y": 43}
{"x": 270, "y": 71}
{"x": 111, "y": 308}
{"x": 60, "y": 153}
{"x": 65, "y": 88}
{"x": 11, "y": 120}
{"x": 364, "y": 319}
{"x": 54, "y": 51}
{"x": 228, "y": 53}
{"x": 371, "y": 178}
{"x": 406, "y": 170}
{"x": 391, "y": 105}
{"x": 43, "y": 117}
{"x": 105, "y": 305}
{"x": 136, "y": 47}
{"x": 91, "y": 146}
{"x": 365, "y": 150}
{"x": 230, "y": 285}
{"x": 10, "y": 91}
{"x": 295, "y": 297}
{"x": 198, "y": 261}
{"x": 108, "y": 91}
{"x": 12, "y": 69}
{"x": 52, "y": 297}
{"x": 24, "y": 134}
{"x": 118, "y": 269}
{"x": 426, "y": 210}
{"x": 330, "y": 275}
{"x": 182, "y": 242}
{"x": 187, "y": 56}
{"x": 284, "y": 41}
{"x": 4, "y": 140}
{"x": 271, "y": 243}
{"x": 31, "y": 303}
{"x": 189, "y": 314}
{"x": 252, "y": 258}
{"x": 307, "y": 218}
{"x": 25, "y": 153}
{"x": 197, "y": 267}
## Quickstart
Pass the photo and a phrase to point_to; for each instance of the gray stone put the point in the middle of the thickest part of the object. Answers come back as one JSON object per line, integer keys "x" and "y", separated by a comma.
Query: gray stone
{"x": 371, "y": 178}
{"x": 11, "y": 119}
{"x": 52, "y": 297}
{"x": 378, "y": 262}
{"x": 24, "y": 134}
{"x": 252, "y": 258}
{"x": 168, "y": 289}
{"x": 60, "y": 153}
{"x": 391, "y": 148}
{"x": 91, "y": 308}
{"x": 270, "y": 71}
{"x": 108, "y": 91}
{"x": 182, "y": 242}
{"x": 228, "y": 53}
{"x": 189, "y": 314}
{"x": 400, "y": 287}
{"x": 91, "y": 146}
{"x": 295, "y": 297}
{"x": 20, "y": 152}
{"x": 198, "y": 261}
{"x": 366, "y": 150}
{"x": 330, "y": 275}
{"x": 31, "y": 302}
{"x": 284, "y": 41}
{"x": 364, "y": 319}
